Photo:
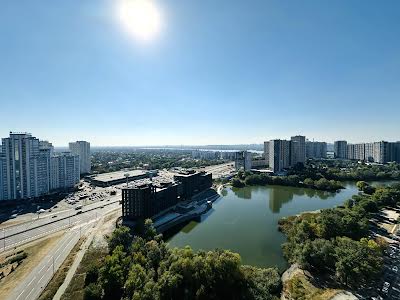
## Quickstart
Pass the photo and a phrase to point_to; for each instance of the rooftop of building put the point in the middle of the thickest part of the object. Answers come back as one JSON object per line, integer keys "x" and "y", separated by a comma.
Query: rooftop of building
{"x": 185, "y": 173}
{"x": 118, "y": 175}
{"x": 20, "y": 133}
{"x": 159, "y": 182}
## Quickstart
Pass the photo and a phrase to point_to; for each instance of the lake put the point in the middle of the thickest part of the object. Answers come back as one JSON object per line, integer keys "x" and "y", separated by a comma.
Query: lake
{"x": 246, "y": 221}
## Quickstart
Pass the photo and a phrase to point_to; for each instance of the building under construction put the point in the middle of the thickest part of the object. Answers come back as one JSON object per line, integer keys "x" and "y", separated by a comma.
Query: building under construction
{"x": 146, "y": 199}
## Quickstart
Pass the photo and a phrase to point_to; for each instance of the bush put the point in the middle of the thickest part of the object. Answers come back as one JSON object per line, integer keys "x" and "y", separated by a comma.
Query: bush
{"x": 92, "y": 274}
{"x": 17, "y": 258}
{"x": 92, "y": 292}
{"x": 237, "y": 183}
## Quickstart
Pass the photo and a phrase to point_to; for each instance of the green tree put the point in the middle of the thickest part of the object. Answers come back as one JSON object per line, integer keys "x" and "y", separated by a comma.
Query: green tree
{"x": 149, "y": 232}
{"x": 121, "y": 236}
{"x": 92, "y": 292}
{"x": 361, "y": 185}
{"x": 317, "y": 255}
{"x": 136, "y": 280}
{"x": 114, "y": 272}
{"x": 356, "y": 262}
{"x": 263, "y": 283}
{"x": 237, "y": 183}
{"x": 309, "y": 182}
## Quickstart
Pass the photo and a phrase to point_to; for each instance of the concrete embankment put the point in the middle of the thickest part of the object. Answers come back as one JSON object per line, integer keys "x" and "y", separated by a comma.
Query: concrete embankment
{"x": 190, "y": 210}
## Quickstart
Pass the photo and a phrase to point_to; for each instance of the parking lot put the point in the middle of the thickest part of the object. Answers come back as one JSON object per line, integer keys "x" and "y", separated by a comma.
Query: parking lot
{"x": 32, "y": 212}
{"x": 389, "y": 285}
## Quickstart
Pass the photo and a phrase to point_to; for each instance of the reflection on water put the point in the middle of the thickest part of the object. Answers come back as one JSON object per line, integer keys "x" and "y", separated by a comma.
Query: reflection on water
{"x": 224, "y": 192}
{"x": 278, "y": 197}
{"x": 243, "y": 193}
{"x": 189, "y": 227}
{"x": 245, "y": 221}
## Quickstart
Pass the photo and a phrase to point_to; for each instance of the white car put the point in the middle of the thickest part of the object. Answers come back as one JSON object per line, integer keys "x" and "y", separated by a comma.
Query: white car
{"x": 395, "y": 269}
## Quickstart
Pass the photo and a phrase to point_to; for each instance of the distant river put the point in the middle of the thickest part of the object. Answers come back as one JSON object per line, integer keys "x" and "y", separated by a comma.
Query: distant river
{"x": 246, "y": 221}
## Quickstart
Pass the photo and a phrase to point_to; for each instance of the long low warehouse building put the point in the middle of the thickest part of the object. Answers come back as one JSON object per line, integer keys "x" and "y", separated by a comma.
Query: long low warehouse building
{"x": 113, "y": 178}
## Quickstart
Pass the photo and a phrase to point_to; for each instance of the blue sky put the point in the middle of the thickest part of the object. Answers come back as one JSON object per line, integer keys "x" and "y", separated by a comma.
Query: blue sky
{"x": 218, "y": 72}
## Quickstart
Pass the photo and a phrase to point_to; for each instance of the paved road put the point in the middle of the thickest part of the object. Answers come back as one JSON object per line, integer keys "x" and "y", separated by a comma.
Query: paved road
{"x": 63, "y": 221}
{"x": 34, "y": 283}
{"x": 48, "y": 217}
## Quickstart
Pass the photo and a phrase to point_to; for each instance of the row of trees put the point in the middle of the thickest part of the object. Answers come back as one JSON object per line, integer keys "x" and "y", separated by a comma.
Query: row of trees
{"x": 248, "y": 178}
{"x": 145, "y": 268}
{"x": 336, "y": 241}
{"x": 346, "y": 171}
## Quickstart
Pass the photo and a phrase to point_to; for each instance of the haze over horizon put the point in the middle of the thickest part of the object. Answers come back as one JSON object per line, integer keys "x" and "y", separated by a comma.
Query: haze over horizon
{"x": 200, "y": 72}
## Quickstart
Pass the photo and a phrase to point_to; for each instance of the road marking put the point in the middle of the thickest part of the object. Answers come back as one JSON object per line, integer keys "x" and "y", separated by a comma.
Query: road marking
{"x": 27, "y": 297}
{"x": 42, "y": 276}
{"x": 31, "y": 281}
{"x": 60, "y": 228}
{"x": 20, "y": 294}
{"x": 42, "y": 268}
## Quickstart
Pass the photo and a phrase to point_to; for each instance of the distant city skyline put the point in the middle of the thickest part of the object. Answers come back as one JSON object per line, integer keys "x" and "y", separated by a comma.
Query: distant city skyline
{"x": 200, "y": 72}
{"x": 77, "y": 136}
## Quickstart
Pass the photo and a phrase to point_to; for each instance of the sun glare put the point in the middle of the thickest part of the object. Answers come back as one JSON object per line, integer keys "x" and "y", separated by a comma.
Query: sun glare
{"x": 140, "y": 18}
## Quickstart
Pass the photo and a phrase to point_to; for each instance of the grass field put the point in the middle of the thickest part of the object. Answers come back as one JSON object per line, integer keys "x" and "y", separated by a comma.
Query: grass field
{"x": 299, "y": 287}
{"x": 36, "y": 251}
{"x": 75, "y": 289}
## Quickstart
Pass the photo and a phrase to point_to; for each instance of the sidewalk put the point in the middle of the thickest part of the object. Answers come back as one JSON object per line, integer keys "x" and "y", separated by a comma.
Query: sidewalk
{"x": 77, "y": 261}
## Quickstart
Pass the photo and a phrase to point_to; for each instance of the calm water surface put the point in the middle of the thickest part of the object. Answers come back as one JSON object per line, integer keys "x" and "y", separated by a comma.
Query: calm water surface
{"x": 246, "y": 221}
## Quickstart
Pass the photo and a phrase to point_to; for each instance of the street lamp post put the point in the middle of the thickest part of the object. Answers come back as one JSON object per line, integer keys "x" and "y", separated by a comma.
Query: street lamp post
{"x": 4, "y": 239}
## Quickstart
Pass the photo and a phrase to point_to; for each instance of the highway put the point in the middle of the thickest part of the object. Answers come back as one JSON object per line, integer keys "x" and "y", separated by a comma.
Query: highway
{"x": 34, "y": 283}
{"x": 20, "y": 234}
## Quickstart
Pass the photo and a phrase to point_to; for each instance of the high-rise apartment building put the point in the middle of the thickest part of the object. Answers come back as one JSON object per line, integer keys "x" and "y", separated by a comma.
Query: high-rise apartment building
{"x": 243, "y": 160}
{"x": 28, "y": 167}
{"x": 351, "y": 151}
{"x": 82, "y": 149}
{"x": 340, "y": 149}
{"x": 379, "y": 152}
{"x": 279, "y": 155}
{"x": 2, "y": 165}
{"x": 47, "y": 145}
{"x": 65, "y": 171}
{"x": 316, "y": 150}
{"x": 266, "y": 151}
{"x": 297, "y": 150}
{"x": 397, "y": 151}
{"x": 369, "y": 152}
{"x": 25, "y": 167}
{"x": 393, "y": 152}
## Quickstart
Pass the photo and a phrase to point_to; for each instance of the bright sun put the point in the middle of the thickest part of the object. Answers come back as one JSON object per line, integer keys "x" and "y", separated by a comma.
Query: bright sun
{"x": 140, "y": 18}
